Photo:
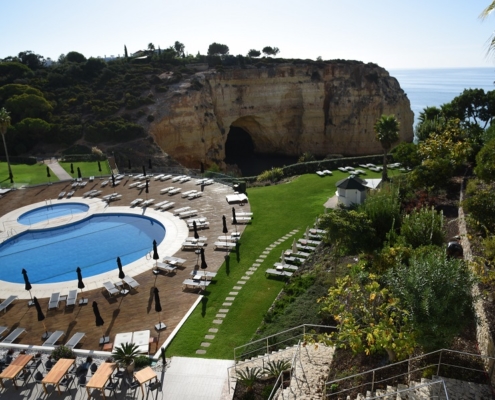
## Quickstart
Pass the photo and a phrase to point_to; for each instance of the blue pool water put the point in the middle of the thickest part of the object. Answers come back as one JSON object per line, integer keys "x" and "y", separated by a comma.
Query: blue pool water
{"x": 53, "y": 211}
{"x": 52, "y": 255}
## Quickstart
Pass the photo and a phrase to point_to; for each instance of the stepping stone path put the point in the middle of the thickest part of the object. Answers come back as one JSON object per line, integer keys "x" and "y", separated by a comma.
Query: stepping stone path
{"x": 222, "y": 313}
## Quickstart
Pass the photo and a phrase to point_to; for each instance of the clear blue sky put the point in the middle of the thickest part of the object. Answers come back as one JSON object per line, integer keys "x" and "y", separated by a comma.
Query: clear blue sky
{"x": 392, "y": 33}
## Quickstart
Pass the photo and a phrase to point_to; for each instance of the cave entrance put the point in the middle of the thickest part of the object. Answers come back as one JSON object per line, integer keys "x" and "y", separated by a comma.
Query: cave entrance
{"x": 240, "y": 151}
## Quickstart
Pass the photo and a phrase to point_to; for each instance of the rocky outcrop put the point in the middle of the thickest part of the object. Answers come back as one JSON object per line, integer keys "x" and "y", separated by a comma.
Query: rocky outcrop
{"x": 286, "y": 109}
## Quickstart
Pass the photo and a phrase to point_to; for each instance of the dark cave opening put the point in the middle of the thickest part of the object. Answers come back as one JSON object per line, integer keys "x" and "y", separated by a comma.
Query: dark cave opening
{"x": 239, "y": 150}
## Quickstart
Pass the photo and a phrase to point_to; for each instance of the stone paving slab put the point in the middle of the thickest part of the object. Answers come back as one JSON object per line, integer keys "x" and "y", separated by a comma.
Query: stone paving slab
{"x": 217, "y": 321}
{"x": 241, "y": 282}
{"x": 213, "y": 330}
{"x": 221, "y": 315}
{"x": 237, "y": 287}
{"x": 224, "y": 310}
{"x": 233, "y": 293}
{"x": 209, "y": 337}
{"x": 230, "y": 298}
{"x": 226, "y": 304}
{"x": 200, "y": 351}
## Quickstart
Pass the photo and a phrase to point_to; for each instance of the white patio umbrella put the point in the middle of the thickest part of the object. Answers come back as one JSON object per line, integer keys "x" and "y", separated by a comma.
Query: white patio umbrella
{"x": 282, "y": 257}
{"x": 294, "y": 246}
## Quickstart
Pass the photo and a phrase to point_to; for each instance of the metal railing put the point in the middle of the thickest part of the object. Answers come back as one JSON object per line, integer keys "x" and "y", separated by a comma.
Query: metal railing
{"x": 371, "y": 379}
{"x": 277, "y": 341}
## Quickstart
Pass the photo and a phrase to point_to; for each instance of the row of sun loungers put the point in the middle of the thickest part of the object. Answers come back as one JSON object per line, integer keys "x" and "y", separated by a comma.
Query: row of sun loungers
{"x": 112, "y": 289}
{"x": 324, "y": 173}
{"x": 52, "y": 339}
{"x": 276, "y": 272}
{"x": 224, "y": 245}
{"x": 111, "y": 197}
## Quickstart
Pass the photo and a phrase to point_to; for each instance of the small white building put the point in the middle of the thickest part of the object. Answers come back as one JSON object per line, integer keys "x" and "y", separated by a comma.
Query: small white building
{"x": 351, "y": 190}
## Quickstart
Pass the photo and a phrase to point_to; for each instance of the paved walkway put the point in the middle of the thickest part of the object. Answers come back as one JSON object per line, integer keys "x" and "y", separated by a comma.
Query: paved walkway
{"x": 57, "y": 169}
{"x": 222, "y": 312}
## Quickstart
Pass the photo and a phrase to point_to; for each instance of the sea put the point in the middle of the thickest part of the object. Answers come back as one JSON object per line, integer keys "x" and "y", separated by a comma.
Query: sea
{"x": 434, "y": 87}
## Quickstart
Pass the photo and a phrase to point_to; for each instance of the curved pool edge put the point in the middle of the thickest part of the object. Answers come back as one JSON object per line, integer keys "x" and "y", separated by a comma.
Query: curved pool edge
{"x": 176, "y": 232}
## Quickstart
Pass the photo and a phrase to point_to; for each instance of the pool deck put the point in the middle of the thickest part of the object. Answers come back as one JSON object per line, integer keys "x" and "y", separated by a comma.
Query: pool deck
{"x": 122, "y": 313}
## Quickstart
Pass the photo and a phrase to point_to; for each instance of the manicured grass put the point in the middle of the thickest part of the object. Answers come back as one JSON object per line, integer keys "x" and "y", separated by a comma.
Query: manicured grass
{"x": 278, "y": 210}
{"x": 88, "y": 168}
{"x": 25, "y": 174}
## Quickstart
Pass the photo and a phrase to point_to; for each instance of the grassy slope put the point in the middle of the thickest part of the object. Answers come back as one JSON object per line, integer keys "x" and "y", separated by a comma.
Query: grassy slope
{"x": 88, "y": 168}
{"x": 25, "y": 174}
{"x": 278, "y": 210}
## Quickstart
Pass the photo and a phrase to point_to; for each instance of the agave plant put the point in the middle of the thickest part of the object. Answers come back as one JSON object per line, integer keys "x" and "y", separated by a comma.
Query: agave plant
{"x": 275, "y": 368}
{"x": 126, "y": 353}
{"x": 248, "y": 377}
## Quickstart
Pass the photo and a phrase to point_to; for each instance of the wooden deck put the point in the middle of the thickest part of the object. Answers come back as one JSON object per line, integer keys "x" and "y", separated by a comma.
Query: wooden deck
{"x": 134, "y": 311}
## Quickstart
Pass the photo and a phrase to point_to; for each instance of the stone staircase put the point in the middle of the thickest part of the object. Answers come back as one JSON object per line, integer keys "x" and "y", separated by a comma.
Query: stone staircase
{"x": 312, "y": 365}
{"x": 432, "y": 389}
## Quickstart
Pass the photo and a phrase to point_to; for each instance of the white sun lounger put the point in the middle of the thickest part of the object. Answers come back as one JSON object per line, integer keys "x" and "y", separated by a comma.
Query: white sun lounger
{"x": 320, "y": 173}
{"x": 285, "y": 266}
{"x": 54, "y": 300}
{"x": 166, "y": 190}
{"x": 111, "y": 288}
{"x": 174, "y": 191}
{"x": 69, "y": 195}
{"x": 165, "y": 267}
{"x": 83, "y": 184}
{"x": 74, "y": 340}
{"x": 71, "y": 298}
{"x": 192, "y": 284}
{"x": 185, "y": 194}
{"x": 161, "y": 203}
{"x": 86, "y": 194}
{"x": 158, "y": 177}
{"x": 195, "y": 195}
{"x": 201, "y": 181}
{"x": 306, "y": 242}
{"x": 7, "y": 302}
{"x": 192, "y": 245}
{"x": 174, "y": 260}
{"x": 131, "y": 282}
{"x": 138, "y": 177}
{"x": 236, "y": 198}
{"x": 61, "y": 195}
{"x": 229, "y": 238}
{"x": 199, "y": 275}
{"x": 199, "y": 225}
{"x": 95, "y": 193}
{"x": 192, "y": 239}
{"x": 188, "y": 213}
{"x": 184, "y": 179}
{"x": 165, "y": 177}
{"x": 2, "y": 330}
{"x": 141, "y": 185}
{"x": 182, "y": 209}
{"x": 327, "y": 172}
{"x": 136, "y": 202}
{"x": 224, "y": 245}
{"x": 133, "y": 185}
{"x": 271, "y": 271}
{"x": 142, "y": 340}
{"x": 104, "y": 183}
{"x": 13, "y": 335}
{"x": 121, "y": 338}
{"x": 168, "y": 205}
{"x": 242, "y": 220}
{"x": 53, "y": 338}
{"x": 243, "y": 214}
{"x": 197, "y": 220}
{"x": 209, "y": 182}
{"x": 148, "y": 202}
{"x": 177, "y": 178}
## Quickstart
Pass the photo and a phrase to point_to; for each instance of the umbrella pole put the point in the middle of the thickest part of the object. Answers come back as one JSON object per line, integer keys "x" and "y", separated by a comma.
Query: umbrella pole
{"x": 31, "y": 302}
{"x": 46, "y": 334}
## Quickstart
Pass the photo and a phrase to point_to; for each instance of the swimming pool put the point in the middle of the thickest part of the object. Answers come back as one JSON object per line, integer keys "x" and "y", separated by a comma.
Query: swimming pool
{"x": 52, "y": 211}
{"x": 52, "y": 255}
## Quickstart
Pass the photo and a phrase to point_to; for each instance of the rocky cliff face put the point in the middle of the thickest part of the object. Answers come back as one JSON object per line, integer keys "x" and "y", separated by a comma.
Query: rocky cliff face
{"x": 286, "y": 109}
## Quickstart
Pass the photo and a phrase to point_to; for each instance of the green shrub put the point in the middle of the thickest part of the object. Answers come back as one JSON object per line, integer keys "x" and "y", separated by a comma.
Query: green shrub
{"x": 305, "y": 157}
{"x": 275, "y": 368}
{"x": 481, "y": 208}
{"x": 248, "y": 377}
{"x": 63, "y": 352}
{"x": 422, "y": 228}
{"x": 272, "y": 175}
{"x": 142, "y": 361}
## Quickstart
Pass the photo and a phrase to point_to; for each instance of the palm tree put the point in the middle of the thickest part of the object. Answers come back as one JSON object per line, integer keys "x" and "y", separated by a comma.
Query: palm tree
{"x": 387, "y": 133}
{"x": 151, "y": 48}
{"x": 484, "y": 14}
{"x": 4, "y": 124}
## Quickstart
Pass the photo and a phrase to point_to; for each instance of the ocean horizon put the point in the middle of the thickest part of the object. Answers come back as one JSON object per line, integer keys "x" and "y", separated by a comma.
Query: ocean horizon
{"x": 434, "y": 87}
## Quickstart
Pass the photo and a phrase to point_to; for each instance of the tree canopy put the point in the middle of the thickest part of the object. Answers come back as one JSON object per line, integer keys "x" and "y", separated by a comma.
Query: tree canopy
{"x": 270, "y": 51}
{"x": 387, "y": 133}
{"x": 217, "y": 49}
{"x": 254, "y": 53}
{"x": 74, "y": 56}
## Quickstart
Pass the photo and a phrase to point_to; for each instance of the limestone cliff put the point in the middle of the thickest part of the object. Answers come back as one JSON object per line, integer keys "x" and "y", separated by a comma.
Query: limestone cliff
{"x": 286, "y": 109}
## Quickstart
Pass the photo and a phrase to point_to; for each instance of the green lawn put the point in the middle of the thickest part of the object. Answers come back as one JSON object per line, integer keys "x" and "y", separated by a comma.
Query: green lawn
{"x": 277, "y": 210}
{"x": 88, "y": 168}
{"x": 25, "y": 174}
